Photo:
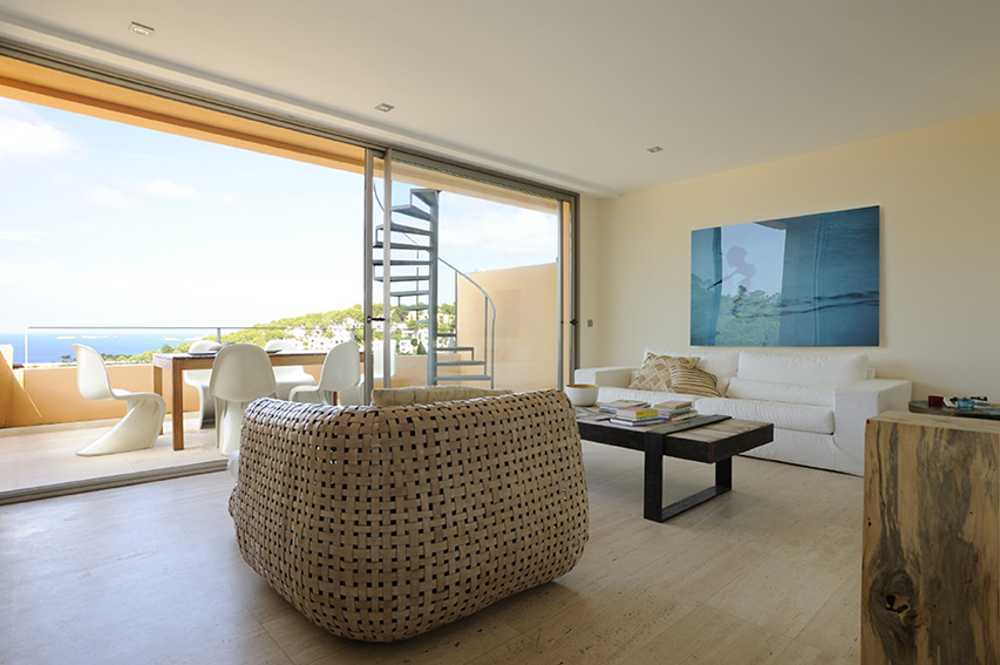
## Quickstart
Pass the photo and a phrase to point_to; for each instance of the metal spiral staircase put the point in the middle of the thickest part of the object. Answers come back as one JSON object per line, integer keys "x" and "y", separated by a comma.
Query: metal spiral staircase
{"x": 406, "y": 254}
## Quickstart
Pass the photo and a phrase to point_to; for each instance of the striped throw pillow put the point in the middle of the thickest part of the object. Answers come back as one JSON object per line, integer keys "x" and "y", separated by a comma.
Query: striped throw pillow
{"x": 687, "y": 379}
{"x": 654, "y": 374}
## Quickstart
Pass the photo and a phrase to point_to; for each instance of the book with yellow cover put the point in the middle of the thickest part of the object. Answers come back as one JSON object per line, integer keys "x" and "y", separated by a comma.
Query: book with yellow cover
{"x": 637, "y": 413}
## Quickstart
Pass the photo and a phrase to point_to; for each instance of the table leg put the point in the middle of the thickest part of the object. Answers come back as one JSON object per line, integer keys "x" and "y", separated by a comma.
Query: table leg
{"x": 158, "y": 386}
{"x": 653, "y": 508}
{"x": 653, "y": 480}
{"x": 724, "y": 473}
{"x": 177, "y": 405}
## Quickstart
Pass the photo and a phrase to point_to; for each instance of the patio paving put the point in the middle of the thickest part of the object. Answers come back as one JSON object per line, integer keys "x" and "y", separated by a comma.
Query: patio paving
{"x": 45, "y": 457}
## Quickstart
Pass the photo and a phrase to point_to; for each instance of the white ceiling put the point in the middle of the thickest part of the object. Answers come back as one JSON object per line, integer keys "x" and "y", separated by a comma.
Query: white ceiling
{"x": 566, "y": 92}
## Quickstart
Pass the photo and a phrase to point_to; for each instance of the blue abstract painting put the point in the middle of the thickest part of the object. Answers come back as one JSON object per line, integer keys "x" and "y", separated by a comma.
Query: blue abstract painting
{"x": 801, "y": 281}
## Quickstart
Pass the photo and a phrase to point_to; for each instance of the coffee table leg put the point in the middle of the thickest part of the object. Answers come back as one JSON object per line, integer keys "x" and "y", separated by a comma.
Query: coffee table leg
{"x": 654, "y": 510}
{"x": 724, "y": 473}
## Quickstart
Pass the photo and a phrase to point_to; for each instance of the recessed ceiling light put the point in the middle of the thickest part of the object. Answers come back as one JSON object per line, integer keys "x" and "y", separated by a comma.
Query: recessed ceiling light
{"x": 655, "y": 148}
{"x": 384, "y": 108}
{"x": 140, "y": 29}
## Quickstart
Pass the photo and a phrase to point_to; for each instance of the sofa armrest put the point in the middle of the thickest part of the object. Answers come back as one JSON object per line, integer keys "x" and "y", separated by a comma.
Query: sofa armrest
{"x": 853, "y": 405}
{"x": 611, "y": 377}
{"x": 871, "y": 397}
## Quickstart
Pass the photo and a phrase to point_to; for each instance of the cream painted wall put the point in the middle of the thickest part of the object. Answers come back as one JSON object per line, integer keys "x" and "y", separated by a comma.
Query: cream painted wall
{"x": 939, "y": 190}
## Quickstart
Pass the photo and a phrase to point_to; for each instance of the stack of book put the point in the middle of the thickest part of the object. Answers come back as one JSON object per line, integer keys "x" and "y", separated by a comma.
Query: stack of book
{"x": 613, "y": 407}
{"x": 638, "y": 416}
{"x": 675, "y": 411}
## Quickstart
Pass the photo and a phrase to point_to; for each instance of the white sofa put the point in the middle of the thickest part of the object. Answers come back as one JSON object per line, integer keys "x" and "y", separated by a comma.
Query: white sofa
{"x": 818, "y": 401}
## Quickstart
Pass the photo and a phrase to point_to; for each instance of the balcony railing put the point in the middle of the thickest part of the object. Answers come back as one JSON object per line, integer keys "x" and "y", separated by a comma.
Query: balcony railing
{"x": 132, "y": 341}
{"x": 52, "y": 345}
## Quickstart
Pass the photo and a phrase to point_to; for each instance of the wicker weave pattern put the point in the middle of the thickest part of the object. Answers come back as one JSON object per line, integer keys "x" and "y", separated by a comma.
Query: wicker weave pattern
{"x": 383, "y": 523}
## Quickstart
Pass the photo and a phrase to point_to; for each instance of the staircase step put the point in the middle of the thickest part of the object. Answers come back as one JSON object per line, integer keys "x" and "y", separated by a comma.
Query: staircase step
{"x": 454, "y": 349}
{"x": 409, "y": 294}
{"x": 403, "y": 228}
{"x": 411, "y": 210}
{"x": 461, "y": 363}
{"x": 428, "y": 196}
{"x": 446, "y": 334}
{"x": 402, "y": 262}
{"x": 378, "y": 244}
{"x": 464, "y": 377}
{"x": 403, "y": 278}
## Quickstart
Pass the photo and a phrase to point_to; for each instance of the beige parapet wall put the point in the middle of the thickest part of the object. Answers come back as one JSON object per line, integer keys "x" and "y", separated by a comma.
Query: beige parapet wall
{"x": 16, "y": 407}
{"x": 49, "y": 395}
{"x": 527, "y": 332}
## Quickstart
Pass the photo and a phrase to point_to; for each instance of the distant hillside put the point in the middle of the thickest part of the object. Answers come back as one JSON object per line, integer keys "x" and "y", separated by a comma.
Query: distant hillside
{"x": 320, "y": 331}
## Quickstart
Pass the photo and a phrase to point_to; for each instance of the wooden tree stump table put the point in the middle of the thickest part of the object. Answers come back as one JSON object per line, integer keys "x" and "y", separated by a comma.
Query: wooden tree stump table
{"x": 931, "y": 579}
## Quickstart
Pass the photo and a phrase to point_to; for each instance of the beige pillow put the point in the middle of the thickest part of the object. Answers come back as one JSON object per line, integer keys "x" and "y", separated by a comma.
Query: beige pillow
{"x": 687, "y": 379}
{"x": 428, "y": 394}
{"x": 654, "y": 374}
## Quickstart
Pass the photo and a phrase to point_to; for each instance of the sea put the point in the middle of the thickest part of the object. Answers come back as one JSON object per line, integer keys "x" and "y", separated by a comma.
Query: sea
{"x": 54, "y": 347}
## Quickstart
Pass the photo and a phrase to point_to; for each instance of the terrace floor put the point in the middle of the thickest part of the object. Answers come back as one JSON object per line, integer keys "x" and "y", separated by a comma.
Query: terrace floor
{"x": 42, "y": 461}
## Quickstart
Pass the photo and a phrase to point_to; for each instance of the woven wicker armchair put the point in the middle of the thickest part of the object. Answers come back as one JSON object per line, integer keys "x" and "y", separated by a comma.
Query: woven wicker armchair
{"x": 382, "y": 523}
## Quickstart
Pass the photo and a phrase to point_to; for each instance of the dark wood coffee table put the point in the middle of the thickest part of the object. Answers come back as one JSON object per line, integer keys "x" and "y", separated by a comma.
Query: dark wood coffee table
{"x": 706, "y": 439}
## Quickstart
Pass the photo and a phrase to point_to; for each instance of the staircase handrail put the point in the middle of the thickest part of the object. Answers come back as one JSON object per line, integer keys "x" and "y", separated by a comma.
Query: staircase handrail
{"x": 489, "y": 307}
{"x": 490, "y": 328}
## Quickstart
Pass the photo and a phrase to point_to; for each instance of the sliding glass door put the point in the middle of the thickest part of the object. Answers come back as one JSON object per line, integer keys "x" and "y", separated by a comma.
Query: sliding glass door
{"x": 468, "y": 278}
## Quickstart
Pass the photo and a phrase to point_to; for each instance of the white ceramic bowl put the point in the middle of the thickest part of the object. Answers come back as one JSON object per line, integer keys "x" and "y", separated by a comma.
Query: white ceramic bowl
{"x": 581, "y": 394}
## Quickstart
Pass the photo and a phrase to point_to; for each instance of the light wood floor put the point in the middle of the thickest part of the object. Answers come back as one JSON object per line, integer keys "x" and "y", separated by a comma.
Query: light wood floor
{"x": 46, "y": 455}
{"x": 768, "y": 574}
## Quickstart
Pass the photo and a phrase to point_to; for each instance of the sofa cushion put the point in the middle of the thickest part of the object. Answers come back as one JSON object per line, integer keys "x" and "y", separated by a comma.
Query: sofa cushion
{"x": 804, "y": 369}
{"x": 610, "y": 394}
{"x": 723, "y": 364}
{"x": 798, "y": 417}
{"x": 779, "y": 392}
{"x": 690, "y": 379}
{"x": 653, "y": 374}
{"x": 388, "y": 397}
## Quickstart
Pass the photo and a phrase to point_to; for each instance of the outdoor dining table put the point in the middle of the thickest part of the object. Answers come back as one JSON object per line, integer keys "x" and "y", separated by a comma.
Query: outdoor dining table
{"x": 177, "y": 363}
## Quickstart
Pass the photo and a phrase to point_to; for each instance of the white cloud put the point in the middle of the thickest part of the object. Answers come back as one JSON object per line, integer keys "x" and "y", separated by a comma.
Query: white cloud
{"x": 20, "y": 138}
{"x": 23, "y": 133}
{"x": 107, "y": 197}
{"x": 530, "y": 234}
{"x": 168, "y": 189}
{"x": 21, "y": 235}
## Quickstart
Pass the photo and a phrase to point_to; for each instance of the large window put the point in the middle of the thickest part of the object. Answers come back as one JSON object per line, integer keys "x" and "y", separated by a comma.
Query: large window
{"x": 109, "y": 225}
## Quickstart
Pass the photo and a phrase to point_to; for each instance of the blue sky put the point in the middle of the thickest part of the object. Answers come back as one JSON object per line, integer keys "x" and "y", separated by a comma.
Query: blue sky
{"x": 103, "y": 223}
